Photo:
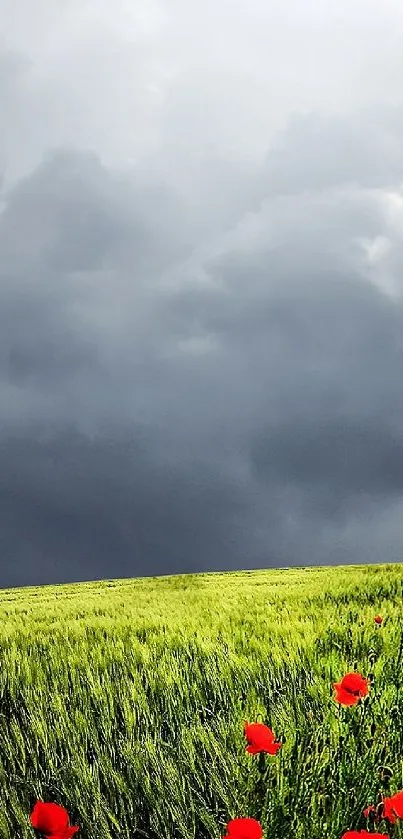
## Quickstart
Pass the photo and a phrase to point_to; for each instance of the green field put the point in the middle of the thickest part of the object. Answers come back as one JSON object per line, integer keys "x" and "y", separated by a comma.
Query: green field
{"x": 124, "y": 701}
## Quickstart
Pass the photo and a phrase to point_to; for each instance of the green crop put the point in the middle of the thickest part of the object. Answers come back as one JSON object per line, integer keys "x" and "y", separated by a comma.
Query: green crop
{"x": 125, "y": 700}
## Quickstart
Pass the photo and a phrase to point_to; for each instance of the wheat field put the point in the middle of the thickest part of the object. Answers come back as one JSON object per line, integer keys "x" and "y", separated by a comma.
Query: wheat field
{"x": 125, "y": 701}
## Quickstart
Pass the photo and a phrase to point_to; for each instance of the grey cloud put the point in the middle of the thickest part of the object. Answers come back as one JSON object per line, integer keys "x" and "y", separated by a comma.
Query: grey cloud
{"x": 319, "y": 150}
{"x": 336, "y": 462}
{"x": 200, "y": 356}
{"x": 72, "y": 214}
{"x": 222, "y": 422}
{"x": 91, "y": 506}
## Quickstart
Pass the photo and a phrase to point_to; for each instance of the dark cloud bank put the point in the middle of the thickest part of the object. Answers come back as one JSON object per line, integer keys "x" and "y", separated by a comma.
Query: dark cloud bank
{"x": 207, "y": 381}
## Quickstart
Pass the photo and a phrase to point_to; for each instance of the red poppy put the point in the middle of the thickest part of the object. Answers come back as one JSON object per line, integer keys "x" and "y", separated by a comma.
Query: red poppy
{"x": 371, "y": 809}
{"x": 360, "y": 834}
{"x": 52, "y": 820}
{"x": 260, "y": 739}
{"x": 352, "y": 687}
{"x": 243, "y": 829}
{"x": 393, "y": 807}
{"x": 378, "y": 619}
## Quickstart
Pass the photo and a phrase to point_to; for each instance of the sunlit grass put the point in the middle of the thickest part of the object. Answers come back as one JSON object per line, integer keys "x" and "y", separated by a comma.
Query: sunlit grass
{"x": 125, "y": 701}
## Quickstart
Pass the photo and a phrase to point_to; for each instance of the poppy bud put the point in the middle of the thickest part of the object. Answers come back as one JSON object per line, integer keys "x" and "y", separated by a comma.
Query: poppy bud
{"x": 385, "y": 773}
{"x": 379, "y": 810}
{"x": 91, "y": 755}
{"x": 370, "y": 814}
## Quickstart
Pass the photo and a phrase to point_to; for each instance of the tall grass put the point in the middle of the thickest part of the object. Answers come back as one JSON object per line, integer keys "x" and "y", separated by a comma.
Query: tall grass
{"x": 124, "y": 701}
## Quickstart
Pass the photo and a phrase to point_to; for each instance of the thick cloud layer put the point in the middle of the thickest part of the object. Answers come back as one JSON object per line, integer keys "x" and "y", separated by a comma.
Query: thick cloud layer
{"x": 201, "y": 320}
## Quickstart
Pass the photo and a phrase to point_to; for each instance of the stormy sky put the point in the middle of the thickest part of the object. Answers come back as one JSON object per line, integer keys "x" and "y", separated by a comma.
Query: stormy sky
{"x": 201, "y": 277}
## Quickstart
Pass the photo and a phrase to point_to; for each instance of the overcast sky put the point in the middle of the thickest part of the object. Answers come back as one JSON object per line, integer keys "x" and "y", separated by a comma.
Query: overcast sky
{"x": 201, "y": 286}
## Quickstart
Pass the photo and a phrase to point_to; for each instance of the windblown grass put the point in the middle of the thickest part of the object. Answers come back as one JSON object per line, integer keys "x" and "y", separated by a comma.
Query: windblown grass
{"x": 124, "y": 701}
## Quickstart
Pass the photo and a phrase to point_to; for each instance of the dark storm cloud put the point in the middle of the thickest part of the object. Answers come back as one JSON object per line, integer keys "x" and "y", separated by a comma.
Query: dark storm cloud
{"x": 96, "y": 506}
{"x": 200, "y": 356}
{"x": 324, "y": 348}
{"x": 99, "y": 354}
{"x": 227, "y": 420}
{"x": 361, "y": 460}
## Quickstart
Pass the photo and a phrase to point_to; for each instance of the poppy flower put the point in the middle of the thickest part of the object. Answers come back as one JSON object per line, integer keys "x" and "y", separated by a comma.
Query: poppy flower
{"x": 52, "y": 820}
{"x": 360, "y": 834}
{"x": 371, "y": 809}
{"x": 352, "y": 687}
{"x": 244, "y": 829}
{"x": 260, "y": 739}
{"x": 378, "y": 619}
{"x": 393, "y": 807}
